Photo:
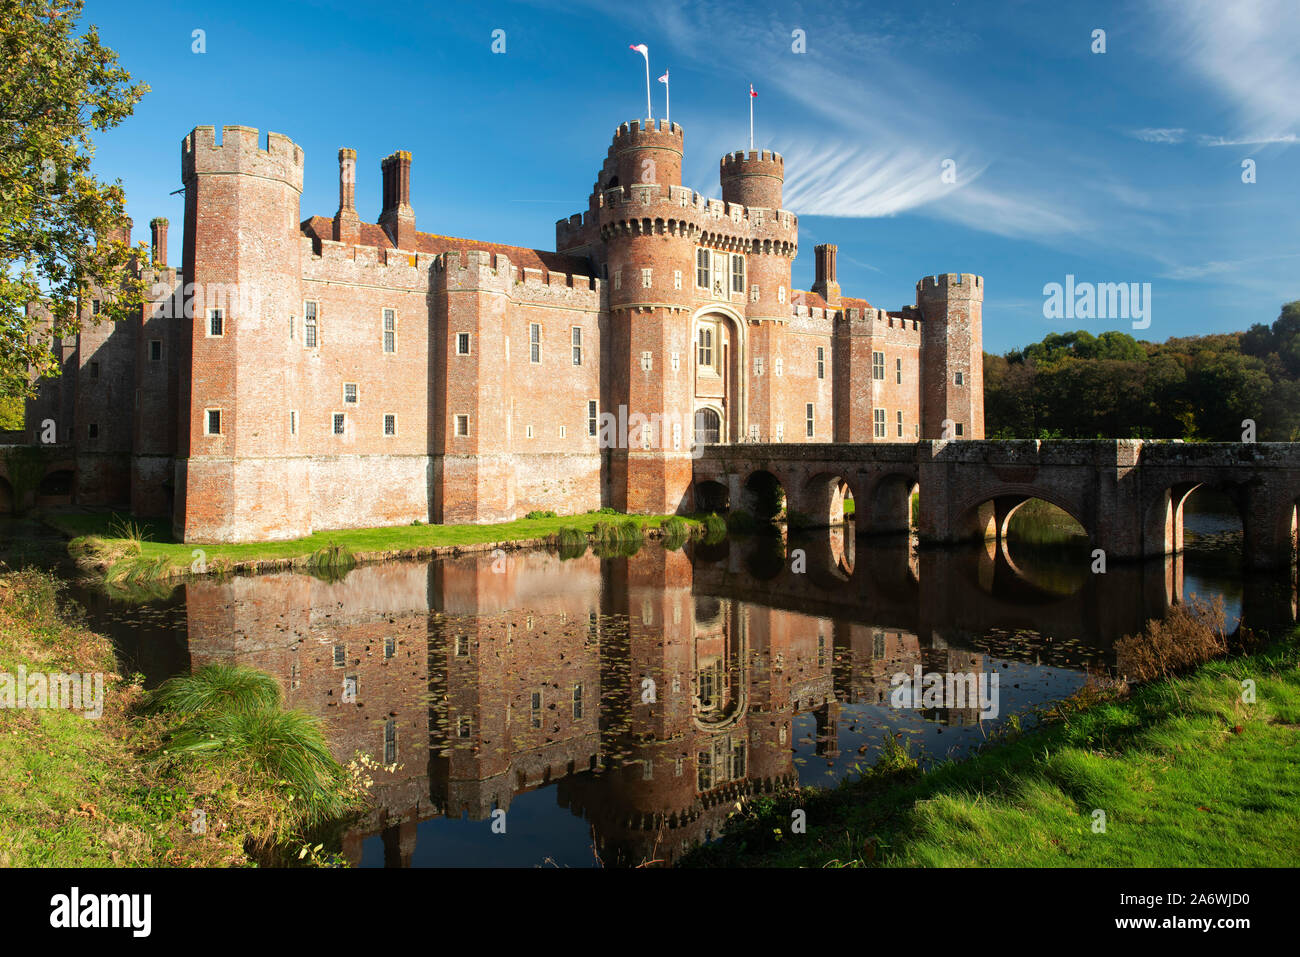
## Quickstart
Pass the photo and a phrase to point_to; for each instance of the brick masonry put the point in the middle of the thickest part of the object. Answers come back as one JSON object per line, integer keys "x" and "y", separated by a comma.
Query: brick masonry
{"x": 365, "y": 374}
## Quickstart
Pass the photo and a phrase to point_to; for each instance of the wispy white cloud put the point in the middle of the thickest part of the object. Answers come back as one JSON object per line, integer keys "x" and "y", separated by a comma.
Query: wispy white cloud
{"x": 1248, "y": 140}
{"x": 1159, "y": 135}
{"x": 1243, "y": 51}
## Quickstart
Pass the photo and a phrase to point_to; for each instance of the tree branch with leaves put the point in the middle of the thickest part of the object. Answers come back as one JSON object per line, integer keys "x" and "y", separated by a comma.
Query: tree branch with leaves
{"x": 60, "y": 227}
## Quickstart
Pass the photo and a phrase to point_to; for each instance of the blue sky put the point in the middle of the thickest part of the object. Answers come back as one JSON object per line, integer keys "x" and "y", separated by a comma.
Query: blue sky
{"x": 1123, "y": 166}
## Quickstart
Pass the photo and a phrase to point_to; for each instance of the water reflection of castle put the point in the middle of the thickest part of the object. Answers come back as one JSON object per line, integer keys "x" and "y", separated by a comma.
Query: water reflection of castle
{"x": 654, "y": 691}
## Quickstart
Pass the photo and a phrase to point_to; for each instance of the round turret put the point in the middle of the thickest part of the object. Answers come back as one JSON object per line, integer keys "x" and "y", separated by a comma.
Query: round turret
{"x": 652, "y": 154}
{"x": 753, "y": 178}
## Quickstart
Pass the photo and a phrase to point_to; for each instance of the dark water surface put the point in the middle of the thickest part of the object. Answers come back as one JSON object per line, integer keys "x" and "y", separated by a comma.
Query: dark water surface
{"x": 616, "y": 708}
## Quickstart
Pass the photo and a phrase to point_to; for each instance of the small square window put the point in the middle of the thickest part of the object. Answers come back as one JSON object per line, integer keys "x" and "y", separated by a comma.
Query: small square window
{"x": 821, "y": 362}
{"x": 647, "y": 279}
{"x": 777, "y": 366}
{"x": 528, "y": 431}
{"x": 592, "y": 418}
{"x": 753, "y": 293}
{"x": 534, "y": 342}
{"x": 878, "y": 365}
{"x": 462, "y": 424}
{"x": 293, "y": 422}
{"x": 898, "y": 370}
{"x": 155, "y": 350}
{"x": 340, "y": 422}
{"x": 350, "y": 393}
{"x": 340, "y": 655}
{"x": 677, "y": 279}
{"x": 618, "y": 279}
{"x": 960, "y": 429}
{"x": 94, "y": 370}
{"x": 576, "y": 338}
{"x": 462, "y": 343}
{"x": 647, "y": 361}
{"x": 94, "y": 307}
{"x": 216, "y": 323}
{"x": 390, "y": 647}
{"x": 390, "y": 424}
{"x": 959, "y": 379}
{"x": 93, "y": 430}
{"x": 309, "y": 324}
{"x": 810, "y": 421}
{"x": 213, "y": 424}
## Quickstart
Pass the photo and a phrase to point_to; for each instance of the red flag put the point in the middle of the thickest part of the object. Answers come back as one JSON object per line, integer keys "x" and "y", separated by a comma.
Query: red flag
{"x": 751, "y": 90}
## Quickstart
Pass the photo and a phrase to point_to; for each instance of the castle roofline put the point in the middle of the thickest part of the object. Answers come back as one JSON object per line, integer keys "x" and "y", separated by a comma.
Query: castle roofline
{"x": 320, "y": 228}
{"x": 812, "y": 300}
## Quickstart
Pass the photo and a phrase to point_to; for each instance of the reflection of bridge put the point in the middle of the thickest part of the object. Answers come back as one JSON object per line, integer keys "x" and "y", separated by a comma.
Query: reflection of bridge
{"x": 1128, "y": 494}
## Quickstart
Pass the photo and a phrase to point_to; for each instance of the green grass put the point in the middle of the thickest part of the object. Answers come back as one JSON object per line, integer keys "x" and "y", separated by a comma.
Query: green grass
{"x": 1187, "y": 774}
{"x": 99, "y": 536}
{"x": 123, "y": 790}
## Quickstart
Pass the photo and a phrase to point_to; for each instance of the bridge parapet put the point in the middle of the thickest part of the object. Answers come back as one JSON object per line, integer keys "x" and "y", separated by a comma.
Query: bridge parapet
{"x": 1128, "y": 494}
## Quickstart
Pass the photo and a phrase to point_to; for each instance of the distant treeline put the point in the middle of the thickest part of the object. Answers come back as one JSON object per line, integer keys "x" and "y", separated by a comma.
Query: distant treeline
{"x": 1075, "y": 385}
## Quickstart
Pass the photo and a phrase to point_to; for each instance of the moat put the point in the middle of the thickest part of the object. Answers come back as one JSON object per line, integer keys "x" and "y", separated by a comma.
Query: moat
{"x": 616, "y": 708}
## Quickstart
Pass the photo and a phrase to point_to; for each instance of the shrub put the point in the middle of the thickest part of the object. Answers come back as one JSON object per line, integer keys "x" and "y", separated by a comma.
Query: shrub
{"x": 541, "y": 513}
{"x": 715, "y": 528}
{"x": 1189, "y": 635}
{"x": 572, "y": 542}
{"x": 676, "y": 531}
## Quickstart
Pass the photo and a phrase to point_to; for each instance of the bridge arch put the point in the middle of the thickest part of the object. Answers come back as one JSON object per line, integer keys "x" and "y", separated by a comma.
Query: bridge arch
{"x": 820, "y": 502}
{"x": 987, "y": 515}
{"x": 764, "y": 495}
{"x": 712, "y": 496}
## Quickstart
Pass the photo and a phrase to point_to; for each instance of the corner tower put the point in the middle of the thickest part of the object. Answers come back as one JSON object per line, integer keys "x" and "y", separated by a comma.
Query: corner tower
{"x": 237, "y": 475}
{"x": 647, "y": 234}
{"x": 952, "y": 356}
{"x": 752, "y": 184}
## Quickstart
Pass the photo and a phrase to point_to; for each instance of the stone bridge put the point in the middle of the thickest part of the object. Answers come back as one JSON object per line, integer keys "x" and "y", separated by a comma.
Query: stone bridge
{"x": 38, "y": 475}
{"x": 1127, "y": 494}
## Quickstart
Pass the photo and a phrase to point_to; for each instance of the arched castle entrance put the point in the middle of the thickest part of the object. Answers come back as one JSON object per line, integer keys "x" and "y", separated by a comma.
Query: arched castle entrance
{"x": 717, "y": 364}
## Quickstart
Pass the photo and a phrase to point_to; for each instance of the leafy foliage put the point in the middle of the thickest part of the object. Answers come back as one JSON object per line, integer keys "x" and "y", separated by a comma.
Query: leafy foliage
{"x": 58, "y": 84}
{"x": 1076, "y": 385}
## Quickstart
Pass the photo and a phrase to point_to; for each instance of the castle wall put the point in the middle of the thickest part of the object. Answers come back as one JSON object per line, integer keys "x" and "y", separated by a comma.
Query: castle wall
{"x": 462, "y": 420}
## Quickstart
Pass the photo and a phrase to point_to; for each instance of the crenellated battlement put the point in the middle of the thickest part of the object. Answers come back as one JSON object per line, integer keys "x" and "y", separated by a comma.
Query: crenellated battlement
{"x": 240, "y": 151}
{"x": 947, "y": 285}
{"x": 676, "y": 209}
{"x": 483, "y": 270}
{"x": 658, "y": 134}
{"x": 753, "y": 163}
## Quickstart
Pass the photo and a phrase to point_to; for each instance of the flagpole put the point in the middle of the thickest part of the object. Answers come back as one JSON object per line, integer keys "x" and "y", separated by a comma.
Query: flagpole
{"x": 668, "y": 106}
{"x": 649, "y": 113}
{"x": 751, "y": 118}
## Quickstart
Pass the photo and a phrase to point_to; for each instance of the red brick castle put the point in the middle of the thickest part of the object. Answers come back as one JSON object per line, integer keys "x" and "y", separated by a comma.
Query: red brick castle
{"x": 304, "y": 374}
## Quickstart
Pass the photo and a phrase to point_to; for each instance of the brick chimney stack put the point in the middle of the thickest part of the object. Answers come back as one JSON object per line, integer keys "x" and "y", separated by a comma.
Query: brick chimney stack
{"x": 347, "y": 224}
{"x": 398, "y": 218}
{"x": 825, "y": 285}
{"x": 158, "y": 253}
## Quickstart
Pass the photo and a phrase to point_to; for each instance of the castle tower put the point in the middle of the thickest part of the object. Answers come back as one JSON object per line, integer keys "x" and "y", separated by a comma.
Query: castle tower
{"x": 648, "y": 239}
{"x": 952, "y": 356}
{"x": 754, "y": 180}
{"x": 237, "y": 475}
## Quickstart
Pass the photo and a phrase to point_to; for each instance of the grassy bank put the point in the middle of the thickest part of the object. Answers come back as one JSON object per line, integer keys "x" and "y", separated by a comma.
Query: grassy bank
{"x": 1186, "y": 772}
{"x": 230, "y": 780}
{"x": 123, "y": 547}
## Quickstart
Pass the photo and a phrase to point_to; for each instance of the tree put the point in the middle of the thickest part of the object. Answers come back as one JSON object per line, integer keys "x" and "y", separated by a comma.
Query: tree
{"x": 57, "y": 221}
